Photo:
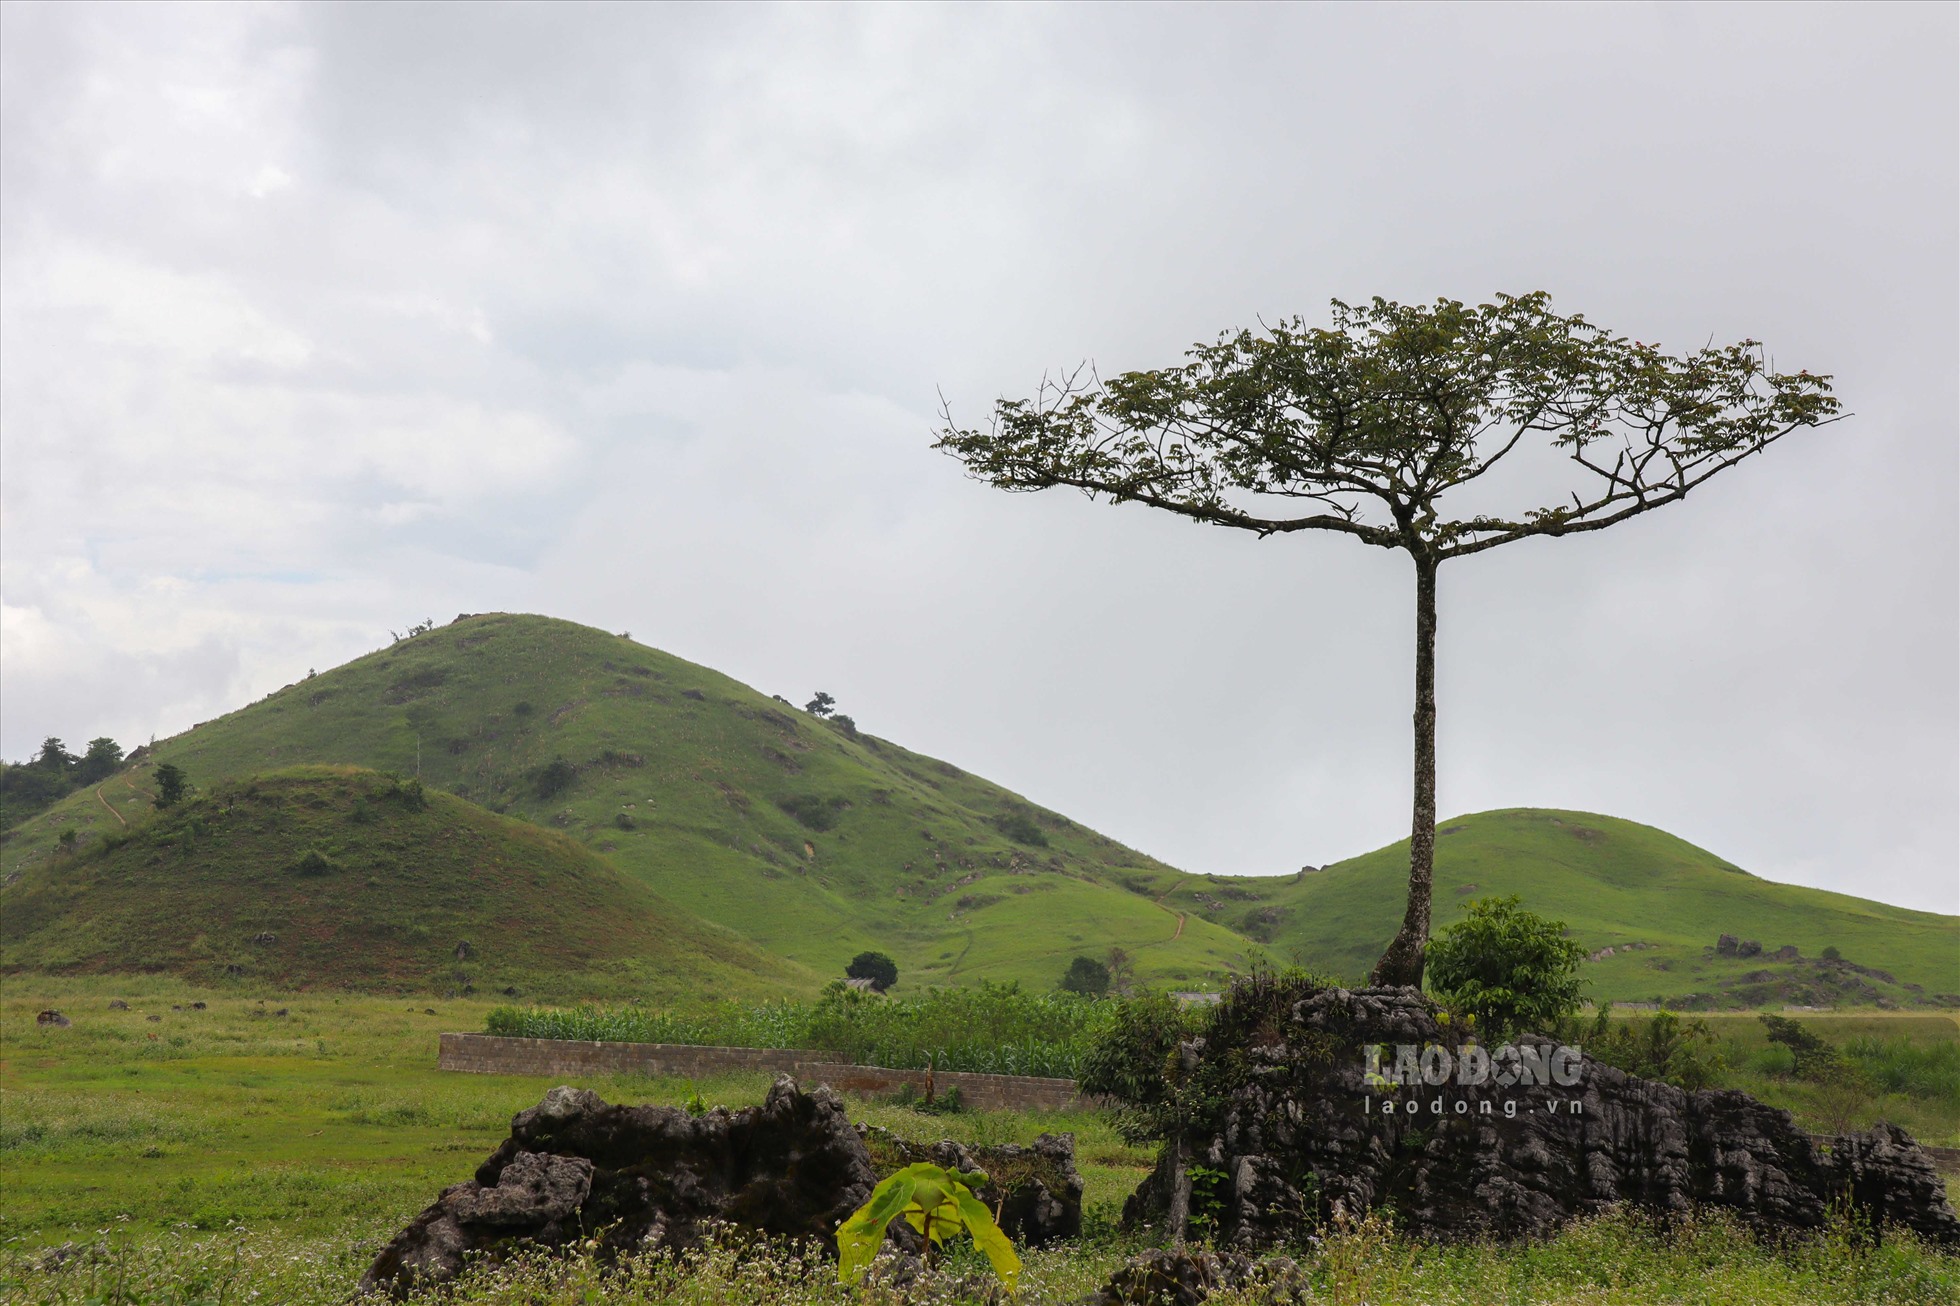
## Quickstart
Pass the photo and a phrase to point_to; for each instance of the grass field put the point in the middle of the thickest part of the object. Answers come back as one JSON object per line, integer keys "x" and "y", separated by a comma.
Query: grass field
{"x": 210, "y": 1155}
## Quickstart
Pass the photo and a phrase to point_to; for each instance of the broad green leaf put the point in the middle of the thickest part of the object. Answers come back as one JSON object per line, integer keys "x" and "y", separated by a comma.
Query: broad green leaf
{"x": 988, "y": 1237}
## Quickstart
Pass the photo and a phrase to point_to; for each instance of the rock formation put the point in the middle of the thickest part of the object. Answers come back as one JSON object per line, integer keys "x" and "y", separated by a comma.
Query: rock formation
{"x": 647, "y": 1178}
{"x": 1294, "y": 1125}
{"x": 639, "y": 1178}
{"x": 1036, "y": 1190}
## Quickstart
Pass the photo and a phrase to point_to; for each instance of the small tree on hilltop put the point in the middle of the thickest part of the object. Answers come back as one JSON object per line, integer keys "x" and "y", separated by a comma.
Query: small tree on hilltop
{"x": 1367, "y": 425}
{"x": 170, "y": 784}
{"x": 822, "y": 705}
{"x": 1086, "y": 976}
{"x": 881, "y": 970}
{"x": 100, "y": 762}
{"x": 1511, "y": 969}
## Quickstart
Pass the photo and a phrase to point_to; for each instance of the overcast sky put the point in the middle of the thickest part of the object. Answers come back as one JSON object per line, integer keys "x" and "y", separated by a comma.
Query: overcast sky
{"x": 319, "y": 320}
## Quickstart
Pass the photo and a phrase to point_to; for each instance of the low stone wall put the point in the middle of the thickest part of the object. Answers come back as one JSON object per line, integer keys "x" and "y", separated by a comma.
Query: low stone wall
{"x": 491, "y": 1054}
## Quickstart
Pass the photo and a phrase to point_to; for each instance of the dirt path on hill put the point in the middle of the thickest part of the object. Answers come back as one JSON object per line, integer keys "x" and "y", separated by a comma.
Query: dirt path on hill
{"x": 112, "y": 811}
{"x": 1158, "y": 903}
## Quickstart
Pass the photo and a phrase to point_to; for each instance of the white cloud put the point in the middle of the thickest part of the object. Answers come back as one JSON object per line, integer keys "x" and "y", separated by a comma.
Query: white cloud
{"x": 318, "y": 320}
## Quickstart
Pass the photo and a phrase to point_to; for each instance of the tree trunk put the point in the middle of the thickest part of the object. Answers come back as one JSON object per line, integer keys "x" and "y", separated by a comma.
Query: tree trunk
{"x": 1402, "y": 963}
{"x": 1180, "y": 1206}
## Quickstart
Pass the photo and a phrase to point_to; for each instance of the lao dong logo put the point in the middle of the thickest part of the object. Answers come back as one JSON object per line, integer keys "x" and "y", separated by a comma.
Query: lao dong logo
{"x": 1507, "y": 1066}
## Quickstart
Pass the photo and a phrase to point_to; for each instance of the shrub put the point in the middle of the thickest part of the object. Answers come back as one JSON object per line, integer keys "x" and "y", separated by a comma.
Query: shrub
{"x": 1511, "y": 969}
{"x": 813, "y": 812}
{"x": 1810, "y": 1056}
{"x": 1020, "y": 827}
{"x": 1832, "y": 954}
{"x": 554, "y": 777}
{"x": 314, "y": 862}
{"x": 1663, "y": 1047}
{"x": 624, "y": 820}
{"x": 170, "y": 785}
{"x": 1086, "y": 976}
{"x": 881, "y": 970}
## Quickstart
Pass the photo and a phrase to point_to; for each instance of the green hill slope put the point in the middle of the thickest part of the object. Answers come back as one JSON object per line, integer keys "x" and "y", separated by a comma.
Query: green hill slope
{"x": 320, "y": 876}
{"x": 1659, "y": 902}
{"x": 813, "y": 841}
{"x": 816, "y": 841}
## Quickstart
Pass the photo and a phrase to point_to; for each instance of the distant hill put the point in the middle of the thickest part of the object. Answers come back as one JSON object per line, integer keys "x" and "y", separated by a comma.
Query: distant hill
{"x": 814, "y": 842}
{"x": 341, "y": 877}
{"x": 815, "y": 839}
{"x": 1661, "y": 904}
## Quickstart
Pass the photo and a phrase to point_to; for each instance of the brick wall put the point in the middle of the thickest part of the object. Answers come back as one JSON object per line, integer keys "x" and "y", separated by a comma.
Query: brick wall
{"x": 490, "y": 1054}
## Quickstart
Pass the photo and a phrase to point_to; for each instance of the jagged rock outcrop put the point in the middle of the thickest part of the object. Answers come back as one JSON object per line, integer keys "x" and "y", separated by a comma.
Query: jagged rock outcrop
{"x": 640, "y": 1177}
{"x": 1036, "y": 1190}
{"x": 1295, "y": 1125}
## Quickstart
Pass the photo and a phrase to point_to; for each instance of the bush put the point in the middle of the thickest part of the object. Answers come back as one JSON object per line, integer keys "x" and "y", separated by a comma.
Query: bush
{"x": 1020, "y": 827}
{"x": 1086, "y": 976}
{"x": 812, "y": 812}
{"x": 1511, "y": 969}
{"x": 555, "y": 777}
{"x": 1810, "y": 1056}
{"x": 881, "y": 970}
{"x": 625, "y": 821}
{"x": 314, "y": 862}
{"x": 1663, "y": 1047}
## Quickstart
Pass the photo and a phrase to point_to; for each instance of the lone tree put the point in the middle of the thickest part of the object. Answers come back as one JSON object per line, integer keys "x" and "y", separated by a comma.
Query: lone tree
{"x": 170, "y": 785}
{"x": 1362, "y": 427}
{"x": 881, "y": 970}
{"x": 822, "y": 705}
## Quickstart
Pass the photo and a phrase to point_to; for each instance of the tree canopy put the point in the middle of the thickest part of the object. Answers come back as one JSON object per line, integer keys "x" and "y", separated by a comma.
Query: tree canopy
{"x": 1362, "y": 427}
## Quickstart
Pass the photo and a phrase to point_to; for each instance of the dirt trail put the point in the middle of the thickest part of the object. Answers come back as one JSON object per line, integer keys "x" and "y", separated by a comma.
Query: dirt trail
{"x": 1158, "y": 903}
{"x": 112, "y": 811}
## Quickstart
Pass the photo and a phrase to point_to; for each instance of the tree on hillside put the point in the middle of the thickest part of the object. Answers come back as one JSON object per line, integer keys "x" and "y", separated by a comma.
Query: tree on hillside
{"x": 1086, "y": 976}
{"x": 54, "y": 756}
{"x": 1361, "y": 428}
{"x": 822, "y": 705}
{"x": 104, "y": 756}
{"x": 881, "y": 970}
{"x": 170, "y": 784}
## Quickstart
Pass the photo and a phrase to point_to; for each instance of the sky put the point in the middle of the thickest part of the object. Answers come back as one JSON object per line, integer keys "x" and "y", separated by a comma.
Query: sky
{"x": 317, "y": 321}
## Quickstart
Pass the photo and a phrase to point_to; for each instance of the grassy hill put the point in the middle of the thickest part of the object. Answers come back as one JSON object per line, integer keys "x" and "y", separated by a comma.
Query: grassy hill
{"x": 342, "y": 877}
{"x": 811, "y": 840}
{"x": 816, "y": 840}
{"x": 1658, "y": 902}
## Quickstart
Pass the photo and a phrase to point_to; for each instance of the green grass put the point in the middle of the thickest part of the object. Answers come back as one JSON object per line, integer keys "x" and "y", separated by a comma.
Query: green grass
{"x": 346, "y": 878}
{"x": 993, "y": 1029}
{"x": 1613, "y": 883}
{"x": 236, "y": 1153}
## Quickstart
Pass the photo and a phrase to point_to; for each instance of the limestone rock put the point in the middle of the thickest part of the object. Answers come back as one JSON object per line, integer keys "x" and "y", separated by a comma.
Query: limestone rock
{"x": 649, "y": 1177}
{"x": 1299, "y": 1128}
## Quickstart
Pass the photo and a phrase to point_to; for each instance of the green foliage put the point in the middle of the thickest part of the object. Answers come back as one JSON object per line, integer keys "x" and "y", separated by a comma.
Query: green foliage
{"x": 102, "y": 760}
{"x": 1831, "y": 953}
{"x": 1086, "y": 976}
{"x": 881, "y": 970}
{"x": 1684, "y": 1053}
{"x": 1810, "y": 1056}
{"x": 170, "y": 784}
{"x": 554, "y": 777}
{"x": 314, "y": 862}
{"x": 1513, "y": 970}
{"x": 991, "y": 1029}
{"x": 814, "y": 812}
{"x": 1133, "y": 1057}
{"x": 822, "y": 705}
{"x": 67, "y": 839}
{"x": 936, "y": 1202}
{"x": 1020, "y": 827}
